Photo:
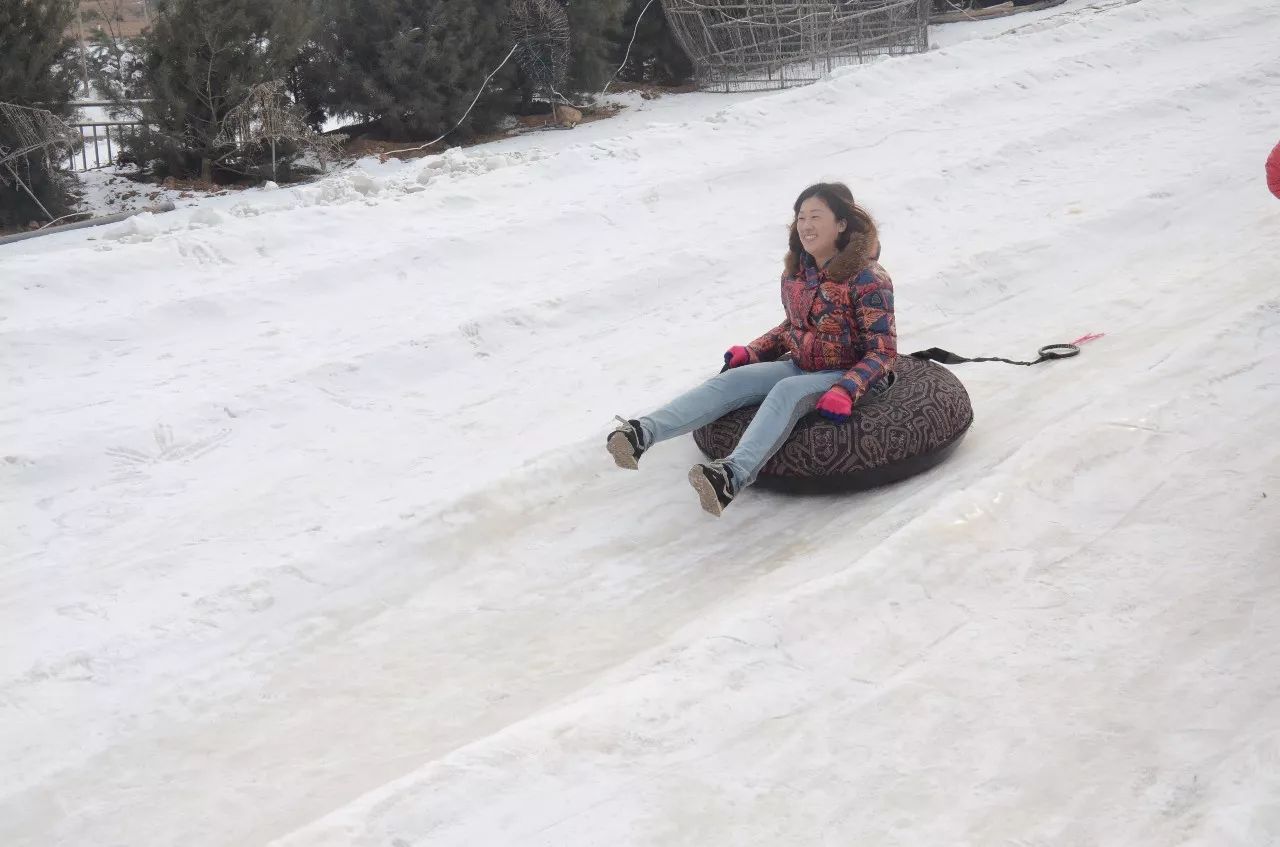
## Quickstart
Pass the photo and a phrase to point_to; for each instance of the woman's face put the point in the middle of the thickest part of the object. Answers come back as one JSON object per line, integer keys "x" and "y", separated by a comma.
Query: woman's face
{"x": 818, "y": 227}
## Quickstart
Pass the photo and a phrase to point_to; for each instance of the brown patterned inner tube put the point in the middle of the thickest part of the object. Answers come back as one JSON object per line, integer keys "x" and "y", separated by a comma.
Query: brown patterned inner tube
{"x": 910, "y": 426}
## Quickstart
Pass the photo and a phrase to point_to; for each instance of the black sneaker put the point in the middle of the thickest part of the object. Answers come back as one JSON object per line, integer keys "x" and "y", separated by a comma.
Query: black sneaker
{"x": 714, "y": 484}
{"x": 624, "y": 444}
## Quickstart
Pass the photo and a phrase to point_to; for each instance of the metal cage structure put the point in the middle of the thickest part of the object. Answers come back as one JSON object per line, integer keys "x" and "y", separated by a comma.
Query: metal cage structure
{"x": 540, "y": 29}
{"x": 754, "y": 45}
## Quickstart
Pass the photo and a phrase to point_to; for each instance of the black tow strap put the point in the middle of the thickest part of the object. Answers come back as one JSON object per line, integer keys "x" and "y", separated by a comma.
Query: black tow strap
{"x": 1047, "y": 353}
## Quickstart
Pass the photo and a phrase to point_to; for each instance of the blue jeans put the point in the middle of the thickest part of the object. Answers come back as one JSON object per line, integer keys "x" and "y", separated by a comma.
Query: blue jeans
{"x": 785, "y": 393}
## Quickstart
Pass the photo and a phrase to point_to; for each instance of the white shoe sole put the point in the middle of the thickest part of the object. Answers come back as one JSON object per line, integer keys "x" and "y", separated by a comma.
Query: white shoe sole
{"x": 620, "y": 449}
{"x": 706, "y": 492}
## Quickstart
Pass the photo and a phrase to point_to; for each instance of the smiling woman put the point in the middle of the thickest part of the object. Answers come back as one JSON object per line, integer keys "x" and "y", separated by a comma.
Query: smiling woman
{"x": 836, "y": 346}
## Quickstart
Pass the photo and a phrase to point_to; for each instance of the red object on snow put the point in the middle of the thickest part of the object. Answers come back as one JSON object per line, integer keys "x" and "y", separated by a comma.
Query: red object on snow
{"x": 1273, "y": 171}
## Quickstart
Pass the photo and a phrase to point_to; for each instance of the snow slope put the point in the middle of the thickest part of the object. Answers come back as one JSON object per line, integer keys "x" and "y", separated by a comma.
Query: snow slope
{"x": 310, "y": 539}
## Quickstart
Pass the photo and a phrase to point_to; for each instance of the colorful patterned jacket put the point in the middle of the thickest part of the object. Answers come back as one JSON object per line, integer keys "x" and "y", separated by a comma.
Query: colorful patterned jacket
{"x": 839, "y": 317}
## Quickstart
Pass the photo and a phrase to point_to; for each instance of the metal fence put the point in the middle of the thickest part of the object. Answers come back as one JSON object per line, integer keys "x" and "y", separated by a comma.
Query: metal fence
{"x": 102, "y": 143}
{"x": 102, "y": 137}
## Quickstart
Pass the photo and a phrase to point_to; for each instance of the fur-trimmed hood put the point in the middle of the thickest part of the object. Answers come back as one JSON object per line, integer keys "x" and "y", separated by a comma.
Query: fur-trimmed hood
{"x": 848, "y": 263}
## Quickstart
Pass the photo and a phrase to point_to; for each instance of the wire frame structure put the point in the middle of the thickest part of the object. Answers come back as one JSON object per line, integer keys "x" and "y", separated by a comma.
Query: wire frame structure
{"x": 26, "y": 131}
{"x": 268, "y": 116}
{"x": 752, "y": 45}
{"x": 540, "y": 30}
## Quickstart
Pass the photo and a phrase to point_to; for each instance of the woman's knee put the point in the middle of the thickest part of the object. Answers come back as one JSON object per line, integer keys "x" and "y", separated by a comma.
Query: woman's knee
{"x": 754, "y": 379}
{"x": 793, "y": 390}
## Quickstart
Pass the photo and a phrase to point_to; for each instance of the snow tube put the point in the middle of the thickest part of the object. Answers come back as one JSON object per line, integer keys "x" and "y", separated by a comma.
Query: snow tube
{"x": 914, "y": 422}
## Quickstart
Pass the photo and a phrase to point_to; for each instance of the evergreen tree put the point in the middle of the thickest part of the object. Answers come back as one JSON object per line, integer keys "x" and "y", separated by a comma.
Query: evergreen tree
{"x": 594, "y": 27}
{"x": 310, "y": 85}
{"x": 200, "y": 59}
{"x": 310, "y": 79}
{"x": 412, "y": 67}
{"x": 655, "y": 55}
{"x": 115, "y": 67}
{"x": 35, "y": 69}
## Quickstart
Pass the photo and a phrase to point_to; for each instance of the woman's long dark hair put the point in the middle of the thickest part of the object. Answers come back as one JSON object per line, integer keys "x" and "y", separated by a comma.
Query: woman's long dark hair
{"x": 839, "y": 199}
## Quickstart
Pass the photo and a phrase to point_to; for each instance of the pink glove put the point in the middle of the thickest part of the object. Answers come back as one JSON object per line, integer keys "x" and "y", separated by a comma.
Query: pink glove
{"x": 836, "y": 405}
{"x": 736, "y": 357}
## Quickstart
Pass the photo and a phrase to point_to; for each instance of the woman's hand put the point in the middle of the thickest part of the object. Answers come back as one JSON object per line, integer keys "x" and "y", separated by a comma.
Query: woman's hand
{"x": 836, "y": 405}
{"x": 736, "y": 357}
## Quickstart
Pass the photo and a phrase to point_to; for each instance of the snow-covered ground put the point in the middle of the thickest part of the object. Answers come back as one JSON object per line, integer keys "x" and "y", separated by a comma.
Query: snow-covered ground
{"x": 310, "y": 538}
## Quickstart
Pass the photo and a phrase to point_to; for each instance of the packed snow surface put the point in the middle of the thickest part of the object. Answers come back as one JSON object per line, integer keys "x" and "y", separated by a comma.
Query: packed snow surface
{"x": 310, "y": 539}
